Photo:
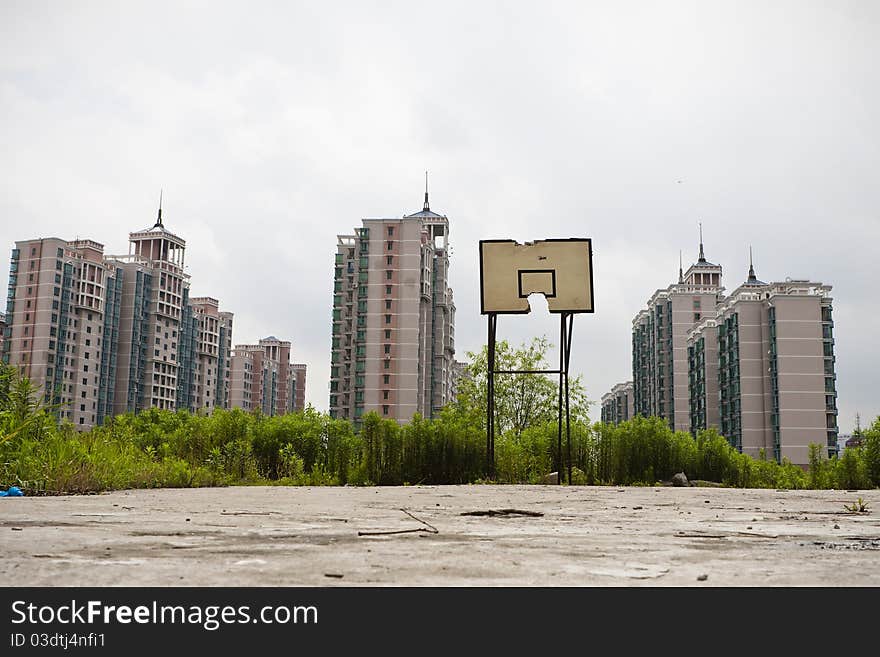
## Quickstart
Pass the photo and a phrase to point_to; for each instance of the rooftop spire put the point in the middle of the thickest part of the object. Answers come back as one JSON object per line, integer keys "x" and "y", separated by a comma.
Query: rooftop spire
{"x": 158, "y": 223}
{"x": 680, "y": 270}
{"x": 702, "y": 257}
{"x": 426, "y": 207}
{"x": 752, "y": 277}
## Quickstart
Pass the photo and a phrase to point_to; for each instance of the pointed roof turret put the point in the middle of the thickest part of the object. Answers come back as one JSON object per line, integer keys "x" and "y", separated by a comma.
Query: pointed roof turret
{"x": 702, "y": 257}
{"x": 752, "y": 279}
{"x": 680, "y": 270}
{"x": 426, "y": 211}
{"x": 426, "y": 207}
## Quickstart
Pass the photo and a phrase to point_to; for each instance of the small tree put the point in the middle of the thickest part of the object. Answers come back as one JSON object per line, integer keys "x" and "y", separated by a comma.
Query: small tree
{"x": 871, "y": 453}
{"x": 521, "y": 400}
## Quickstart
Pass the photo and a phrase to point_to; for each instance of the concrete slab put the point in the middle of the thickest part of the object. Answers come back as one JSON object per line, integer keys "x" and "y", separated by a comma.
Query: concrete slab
{"x": 323, "y": 536}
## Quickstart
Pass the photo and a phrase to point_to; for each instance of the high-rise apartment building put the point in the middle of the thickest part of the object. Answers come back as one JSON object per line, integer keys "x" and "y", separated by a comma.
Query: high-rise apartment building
{"x": 262, "y": 377}
{"x": 204, "y": 355}
{"x": 703, "y": 375}
{"x": 618, "y": 404}
{"x": 659, "y": 342}
{"x": 63, "y": 310}
{"x": 393, "y": 335}
{"x": 772, "y": 346}
{"x": 104, "y": 335}
{"x": 153, "y": 306}
{"x": 298, "y": 386}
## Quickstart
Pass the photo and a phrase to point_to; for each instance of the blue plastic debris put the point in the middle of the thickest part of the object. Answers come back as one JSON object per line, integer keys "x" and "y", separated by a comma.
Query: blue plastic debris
{"x": 14, "y": 491}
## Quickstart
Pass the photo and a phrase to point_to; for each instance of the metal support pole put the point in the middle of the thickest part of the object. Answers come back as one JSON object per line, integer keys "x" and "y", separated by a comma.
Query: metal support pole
{"x": 567, "y": 409}
{"x": 561, "y": 379}
{"x": 490, "y": 401}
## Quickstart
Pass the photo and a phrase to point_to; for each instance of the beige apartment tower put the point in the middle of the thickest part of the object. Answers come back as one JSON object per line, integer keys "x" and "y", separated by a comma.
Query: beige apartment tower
{"x": 208, "y": 367}
{"x": 618, "y": 405}
{"x": 773, "y": 349}
{"x": 659, "y": 342}
{"x": 153, "y": 303}
{"x": 104, "y": 335}
{"x": 59, "y": 295}
{"x": 263, "y": 378}
{"x": 393, "y": 331}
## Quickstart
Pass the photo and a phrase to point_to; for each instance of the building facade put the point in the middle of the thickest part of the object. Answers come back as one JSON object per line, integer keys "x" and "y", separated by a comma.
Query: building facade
{"x": 298, "y": 386}
{"x": 618, "y": 405}
{"x": 702, "y": 344}
{"x": 757, "y": 365}
{"x": 763, "y": 370}
{"x": 3, "y": 327}
{"x": 659, "y": 342}
{"x": 62, "y": 314}
{"x": 103, "y": 335}
{"x": 261, "y": 377}
{"x": 393, "y": 327}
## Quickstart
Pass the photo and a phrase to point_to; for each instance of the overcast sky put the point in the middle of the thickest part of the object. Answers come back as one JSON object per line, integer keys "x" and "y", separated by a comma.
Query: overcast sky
{"x": 274, "y": 127}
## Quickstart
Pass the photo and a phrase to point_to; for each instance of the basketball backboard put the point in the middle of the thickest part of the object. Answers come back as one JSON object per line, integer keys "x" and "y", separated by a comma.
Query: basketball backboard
{"x": 560, "y": 269}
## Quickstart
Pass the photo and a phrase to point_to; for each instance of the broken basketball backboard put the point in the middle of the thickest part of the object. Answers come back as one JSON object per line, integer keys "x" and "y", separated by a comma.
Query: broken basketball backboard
{"x": 560, "y": 269}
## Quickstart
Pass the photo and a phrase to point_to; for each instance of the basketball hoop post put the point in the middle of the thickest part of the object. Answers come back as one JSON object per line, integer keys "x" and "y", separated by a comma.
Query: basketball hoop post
{"x": 561, "y": 270}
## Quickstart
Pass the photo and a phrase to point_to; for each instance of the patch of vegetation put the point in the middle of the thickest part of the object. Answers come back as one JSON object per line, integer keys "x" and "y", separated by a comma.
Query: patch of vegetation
{"x": 859, "y": 506}
{"x": 160, "y": 448}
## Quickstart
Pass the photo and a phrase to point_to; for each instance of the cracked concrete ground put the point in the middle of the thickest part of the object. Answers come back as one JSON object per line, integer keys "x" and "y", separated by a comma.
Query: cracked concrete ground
{"x": 327, "y": 536}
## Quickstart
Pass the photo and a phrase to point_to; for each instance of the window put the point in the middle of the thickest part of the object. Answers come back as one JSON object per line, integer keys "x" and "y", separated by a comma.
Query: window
{"x": 85, "y": 381}
{"x": 384, "y": 394}
{"x": 387, "y": 289}
{"x": 389, "y": 260}
{"x": 696, "y": 317}
{"x": 88, "y": 342}
{"x": 390, "y": 245}
{"x": 387, "y": 304}
{"x": 387, "y": 348}
{"x": 384, "y": 409}
{"x": 386, "y": 379}
{"x": 387, "y": 364}
{"x": 387, "y": 319}
{"x": 390, "y": 231}
{"x": 387, "y": 334}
